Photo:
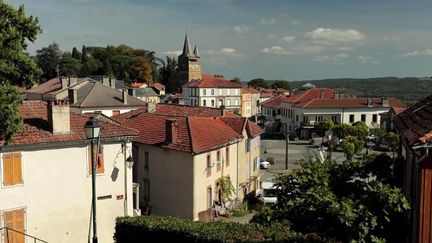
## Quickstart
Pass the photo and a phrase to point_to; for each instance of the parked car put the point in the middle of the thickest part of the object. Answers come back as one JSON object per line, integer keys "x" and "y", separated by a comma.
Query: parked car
{"x": 264, "y": 164}
{"x": 268, "y": 193}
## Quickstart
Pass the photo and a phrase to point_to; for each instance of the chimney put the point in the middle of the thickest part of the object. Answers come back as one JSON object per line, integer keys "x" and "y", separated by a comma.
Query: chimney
{"x": 59, "y": 116}
{"x": 112, "y": 82}
{"x": 222, "y": 107}
{"x": 171, "y": 130}
{"x": 106, "y": 81}
{"x": 151, "y": 107}
{"x": 132, "y": 92}
{"x": 73, "y": 81}
{"x": 73, "y": 96}
{"x": 385, "y": 102}
{"x": 369, "y": 102}
{"x": 64, "y": 82}
{"x": 124, "y": 96}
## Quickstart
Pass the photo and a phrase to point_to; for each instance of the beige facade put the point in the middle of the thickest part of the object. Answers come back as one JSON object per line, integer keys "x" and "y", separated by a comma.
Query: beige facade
{"x": 246, "y": 105}
{"x": 56, "y": 193}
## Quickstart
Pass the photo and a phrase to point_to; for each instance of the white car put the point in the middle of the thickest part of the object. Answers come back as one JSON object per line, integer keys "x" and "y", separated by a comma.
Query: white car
{"x": 268, "y": 193}
{"x": 264, "y": 164}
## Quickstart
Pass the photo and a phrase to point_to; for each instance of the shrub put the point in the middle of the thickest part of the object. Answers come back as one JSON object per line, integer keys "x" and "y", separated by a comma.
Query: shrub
{"x": 172, "y": 229}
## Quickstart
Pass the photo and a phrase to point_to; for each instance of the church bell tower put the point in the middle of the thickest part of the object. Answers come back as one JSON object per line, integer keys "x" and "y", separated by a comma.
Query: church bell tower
{"x": 189, "y": 61}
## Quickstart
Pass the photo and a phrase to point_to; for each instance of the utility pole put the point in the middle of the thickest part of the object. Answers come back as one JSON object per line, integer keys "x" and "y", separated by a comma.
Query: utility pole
{"x": 286, "y": 147}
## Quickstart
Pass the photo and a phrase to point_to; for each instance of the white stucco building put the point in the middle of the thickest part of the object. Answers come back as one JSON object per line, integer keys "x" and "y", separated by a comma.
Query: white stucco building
{"x": 46, "y": 182}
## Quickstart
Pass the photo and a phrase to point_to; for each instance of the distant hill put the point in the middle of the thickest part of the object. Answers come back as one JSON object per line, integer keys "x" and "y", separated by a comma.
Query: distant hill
{"x": 405, "y": 89}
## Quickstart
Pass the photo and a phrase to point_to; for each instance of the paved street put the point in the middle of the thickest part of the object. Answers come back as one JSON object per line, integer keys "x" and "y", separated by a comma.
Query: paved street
{"x": 296, "y": 151}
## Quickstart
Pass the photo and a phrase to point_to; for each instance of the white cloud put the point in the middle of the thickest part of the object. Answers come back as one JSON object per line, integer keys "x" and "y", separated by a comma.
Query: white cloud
{"x": 335, "y": 35}
{"x": 226, "y": 51}
{"x": 172, "y": 53}
{"x": 334, "y": 58}
{"x": 278, "y": 50}
{"x": 367, "y": 59}
{"x": 289, "y": 38}
{"x": 240, "y": 29}
{"x": 270, "y": 21}
{"x": 427, "y": 52}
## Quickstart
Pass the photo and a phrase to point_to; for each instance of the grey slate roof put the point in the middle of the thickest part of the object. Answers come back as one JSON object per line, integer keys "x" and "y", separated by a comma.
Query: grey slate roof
{"x": 95, "y": 94}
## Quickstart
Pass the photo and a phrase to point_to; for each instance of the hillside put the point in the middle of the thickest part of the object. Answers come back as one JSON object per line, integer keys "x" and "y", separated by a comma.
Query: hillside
{"x": 405, "y": 89}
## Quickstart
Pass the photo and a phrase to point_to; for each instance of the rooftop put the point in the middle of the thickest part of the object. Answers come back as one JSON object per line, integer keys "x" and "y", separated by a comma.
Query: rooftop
{"x": 210, "y": 81}
{"x": 347, "y": 103}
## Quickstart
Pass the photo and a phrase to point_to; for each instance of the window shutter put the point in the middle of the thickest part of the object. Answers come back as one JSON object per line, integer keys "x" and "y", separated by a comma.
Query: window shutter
{"x": 17, "y": 169}
{"x": 14, "y": 220}
{"x": 7, "y": 169}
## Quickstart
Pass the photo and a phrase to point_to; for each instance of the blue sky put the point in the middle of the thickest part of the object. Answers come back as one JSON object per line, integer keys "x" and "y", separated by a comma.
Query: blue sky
{"x": 272, "y": 39}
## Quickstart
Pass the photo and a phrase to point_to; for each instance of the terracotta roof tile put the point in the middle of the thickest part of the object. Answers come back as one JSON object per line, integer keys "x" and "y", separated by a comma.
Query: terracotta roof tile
{"x": 249, "y": 90}
{"x": 274, "y": 102}
{"x": 209, "y": 81}
{"x": 159, "y": 86}
{"x": 35, "y": 129}
{"x": 415, "y": 123}
{"x": 310, "y": 94}
{"x": 346, "y": 103}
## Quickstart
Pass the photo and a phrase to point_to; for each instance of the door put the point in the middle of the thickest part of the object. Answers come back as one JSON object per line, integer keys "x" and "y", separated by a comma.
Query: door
{"x": 13, "y": 220}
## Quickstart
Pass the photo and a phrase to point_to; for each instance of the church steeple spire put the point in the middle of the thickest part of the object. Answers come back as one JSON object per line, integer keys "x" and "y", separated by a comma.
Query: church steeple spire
{"x": 196, "y": 52}
{"x": 186, "y": 47}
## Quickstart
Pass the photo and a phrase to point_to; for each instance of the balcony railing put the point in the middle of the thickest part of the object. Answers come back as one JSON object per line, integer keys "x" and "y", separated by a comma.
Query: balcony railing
{"x": 7, "y": 233}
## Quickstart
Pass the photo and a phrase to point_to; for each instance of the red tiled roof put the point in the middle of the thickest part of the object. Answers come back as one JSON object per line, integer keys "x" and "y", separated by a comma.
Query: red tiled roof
{"x": 137, "y": 85}
{"x": 184, "y": 110}
{"x": 310, "y": 94}
{"x": 415, "y": 123}
{"x": 346, "y": 103}
{"x": 274, "y": 102}
{"x": 265, "y": 94}
{"x": 249, "y": 90}
{"x": 253, "y": 129}
{"x": 208, "y": 81}
{"x": 238, "y": 124}
{"x": 35, "y": 128}
{"x": 159, "y": 86}
{"x": 398, "y": 110}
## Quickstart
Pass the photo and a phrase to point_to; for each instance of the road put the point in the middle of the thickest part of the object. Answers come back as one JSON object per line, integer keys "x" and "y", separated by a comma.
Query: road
{"x": 296, "y": 151}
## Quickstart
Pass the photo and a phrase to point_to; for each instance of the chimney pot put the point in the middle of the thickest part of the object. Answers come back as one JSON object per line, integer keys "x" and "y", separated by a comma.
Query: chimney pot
{"x": 171, "y": 130}
{"x": 385, "y": 102}
{"x": 112, "y": 82}
{"x": 73, "y": 96}
{"x": 73, "y": 81}
{"x": 64, "y": 82}
{"x": 106, "y": 81}
{"x": 58, "y": 116}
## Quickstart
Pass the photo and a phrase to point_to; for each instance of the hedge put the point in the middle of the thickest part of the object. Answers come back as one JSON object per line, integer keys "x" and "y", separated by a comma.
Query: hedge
{"x": 172, "y": 229}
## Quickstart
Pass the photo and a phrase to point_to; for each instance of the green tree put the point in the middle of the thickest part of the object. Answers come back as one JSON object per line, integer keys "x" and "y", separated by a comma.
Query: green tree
{"x": 359, "y": 129}
{"x": 69, "y": 66}
{"x": 258, "y": 83}
{"x": 168, "y": 71}
{"x": 324, "y": 126}
{"x": 236, "y": 80}
{"x": 16, "y": 66}
{"x": 352, "y": 146}
{"x": 10, "y": 115}
{"x": 48, "y": 59}
{"x": 342, "y": 130}
{"x": 84, "y": 55}
{"x": 142, "y": 70}
{"x": 76, "y": 54}
{"x": 340, "y": 201}
{"x": 281, "y": 84}
{"x": 393, "y": 141}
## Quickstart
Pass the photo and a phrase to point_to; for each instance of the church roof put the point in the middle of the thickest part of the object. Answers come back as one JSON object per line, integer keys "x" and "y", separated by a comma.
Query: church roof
{"x": 186, "y": 48}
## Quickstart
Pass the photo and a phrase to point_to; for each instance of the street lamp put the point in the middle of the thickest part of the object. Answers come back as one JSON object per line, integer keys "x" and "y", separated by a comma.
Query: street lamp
{"x": 130, "y": 162}
{"x": 92, "y": 130}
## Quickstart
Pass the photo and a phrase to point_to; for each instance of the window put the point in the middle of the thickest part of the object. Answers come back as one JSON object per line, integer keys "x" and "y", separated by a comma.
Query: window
{"x": 218, "y": 160}
{"x": 209, "y": 165}
{"x": 204, "y": 92}
{"x": 209, "y": 197}
{"x": 318, "y": 118}
{"x": 297, "y": 118}
{"x": 12, "y": 169}
{"x": 204, "y": 103}
{"x": 255, "y": 164}
{"x": 212, "y": 91}
{"x": 248, "y": 145}
{"x": 146, "y": 160}
{"x": 15, "y": 220}
{"x": 363, "y": 117}
{"x": 351, "y": 118}
{"x": 228, "y": 92}
{"x": 99, "y": 159}
{"x": 220, "y": 91}
{"x": 334, "y": 119}
{"x": 116, "y": 112}
{"x": 236, "y": 102}
{"x": 146, "y": 190}
{"x": 227, "y": 156}
{"x": 212, "y": 102}
{"x": 228, "y": 102}
{"x": 374, "y": 118}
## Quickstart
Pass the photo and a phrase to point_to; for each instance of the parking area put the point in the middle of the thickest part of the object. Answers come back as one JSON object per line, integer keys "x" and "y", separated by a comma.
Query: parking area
{"x": 296, "y": 150}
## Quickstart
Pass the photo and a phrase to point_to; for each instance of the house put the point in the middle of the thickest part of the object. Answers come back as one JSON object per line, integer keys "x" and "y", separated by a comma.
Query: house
{"x": 213, "y": 91}
{"x": 250, "y": 102}
{"x": 87, "y": 95}
{"x": 182, "y": 152}
{"x": 45, "y": 174}
{"x": 414, "y": 126}
{"x": 159, "y": 88}
{"x": 146, "y": 94}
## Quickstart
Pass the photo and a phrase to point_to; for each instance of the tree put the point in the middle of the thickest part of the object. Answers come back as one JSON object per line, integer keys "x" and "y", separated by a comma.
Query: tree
{"x": 360, "y": 129}
{"x": 48, "y": 59}
{"x": 236, "y": 80}
{"x": 76, "y": 54}
{"x": 69, "y": 66}
{"x": 16, "y": 66}
{"x": 168, "y": 71}
{"x": 340, "y": 201}
{"x": 393, "y": 141}
{"x": 324, "y": 126}
{"x": 342, "y": 130}
{"x": 351, "y": 146}
{"x": 84, "y": 55}
{"x": 258, "y": 83}
{"x": 10, "y": 115}
{"x": 281, "y": 84}
{"x": 142, "y": 70}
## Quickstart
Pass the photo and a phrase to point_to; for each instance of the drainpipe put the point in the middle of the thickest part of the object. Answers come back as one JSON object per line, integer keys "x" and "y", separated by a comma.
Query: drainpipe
{"x": 125, "y": 179}
{"x": 237, "y": 174}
